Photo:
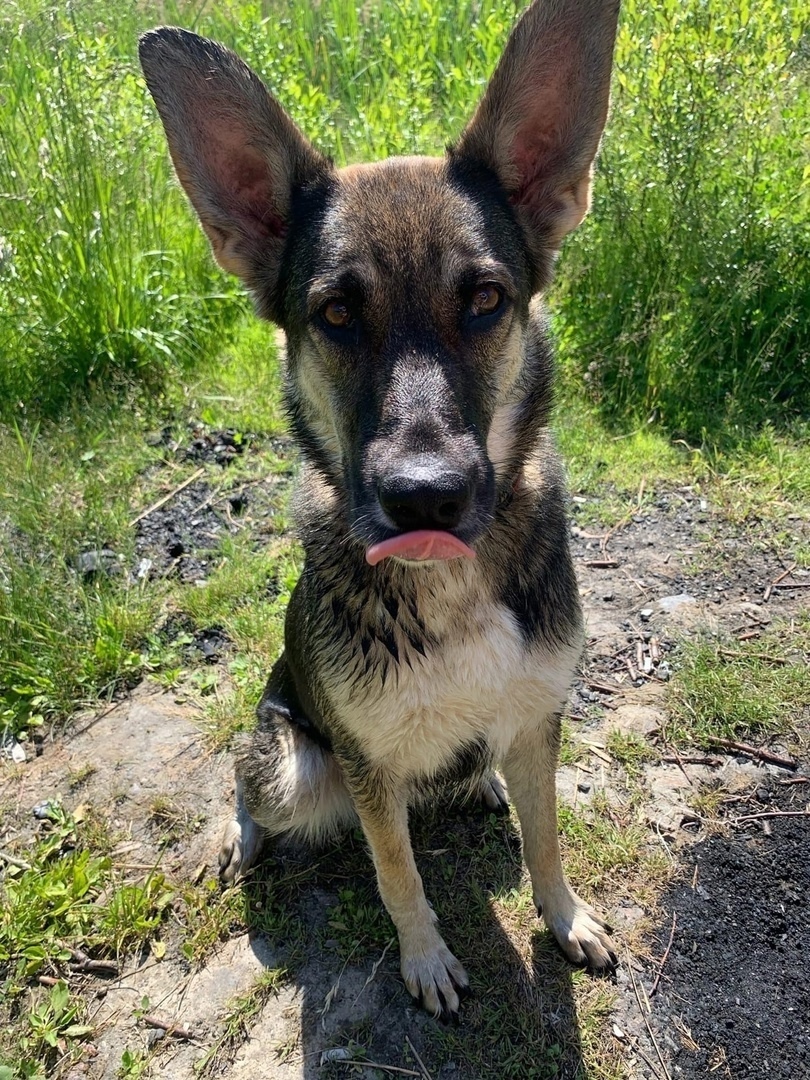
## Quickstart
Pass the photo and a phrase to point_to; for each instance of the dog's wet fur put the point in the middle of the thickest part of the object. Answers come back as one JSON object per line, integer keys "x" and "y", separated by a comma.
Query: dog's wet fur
{"x": 418, "y": 385}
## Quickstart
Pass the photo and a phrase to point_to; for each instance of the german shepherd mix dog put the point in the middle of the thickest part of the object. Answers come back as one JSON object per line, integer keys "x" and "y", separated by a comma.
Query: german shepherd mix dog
{"x": 436, "y": 625}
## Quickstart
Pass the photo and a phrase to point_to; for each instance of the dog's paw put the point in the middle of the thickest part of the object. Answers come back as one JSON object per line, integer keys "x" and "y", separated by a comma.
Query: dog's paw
{"x": 493, "y": 794}
{"x": 436, "y": 980}
{"x": 582, "y": 934}
{"x": 241, "y": 843}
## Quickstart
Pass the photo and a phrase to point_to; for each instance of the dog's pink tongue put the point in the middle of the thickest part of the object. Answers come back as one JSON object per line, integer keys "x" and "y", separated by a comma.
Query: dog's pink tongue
{"x": 420, "y": 546}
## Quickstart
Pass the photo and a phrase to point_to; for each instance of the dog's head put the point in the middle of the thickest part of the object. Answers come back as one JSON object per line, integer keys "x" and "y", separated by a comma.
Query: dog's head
{"x": 417, "y": 380}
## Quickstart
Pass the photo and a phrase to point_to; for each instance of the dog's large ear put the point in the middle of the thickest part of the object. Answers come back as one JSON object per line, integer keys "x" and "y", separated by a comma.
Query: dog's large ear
{"x": 236, "y": 151}
{"x": 539, "y": 123}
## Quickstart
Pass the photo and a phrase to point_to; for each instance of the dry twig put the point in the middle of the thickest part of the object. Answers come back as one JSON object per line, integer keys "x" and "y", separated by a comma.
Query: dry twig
{"x": 171, "y": 1030}
{"x": 81, "y": 962}
{"x": 377, "y": 1065}
{"x": 769, "y": 814}
{"x": 166, "y": 498}
{"x": 605, "y": 688}
{"x": 421, "y": 1063}
{"x": 736, "y": 654}
{"x": 12, "y": 860}
{"x": 754, "y": 752}
{"x": 665, "y": 956}
{"x": 643, "y": 1009}
{"x": 776, "y": 581}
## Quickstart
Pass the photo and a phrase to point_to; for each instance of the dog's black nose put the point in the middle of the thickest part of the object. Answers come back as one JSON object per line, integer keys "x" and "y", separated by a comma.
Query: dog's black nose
{"x": 423, "y": 493}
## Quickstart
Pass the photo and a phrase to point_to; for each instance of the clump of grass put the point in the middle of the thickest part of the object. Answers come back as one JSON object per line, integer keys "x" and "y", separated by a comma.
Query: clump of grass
{"x": 69, "y": 894}
{"x": 58, "y": 897}
{"x": 630, "y": 749}
{"x": 686, "y": 295}
{"x": 68, "y": 634}
{"x": 596, "y": 845}
{"x": 740, "y": 690}
{"x": 102, "y": 279}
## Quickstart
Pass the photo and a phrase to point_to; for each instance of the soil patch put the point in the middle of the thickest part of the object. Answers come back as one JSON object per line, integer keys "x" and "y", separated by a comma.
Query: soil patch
{"x": 734, "y": 997}
{"x": 180, "y": 538}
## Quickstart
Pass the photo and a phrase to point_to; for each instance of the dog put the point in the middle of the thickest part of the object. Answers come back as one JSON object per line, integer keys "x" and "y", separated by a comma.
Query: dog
{"x": 436, "y": 626}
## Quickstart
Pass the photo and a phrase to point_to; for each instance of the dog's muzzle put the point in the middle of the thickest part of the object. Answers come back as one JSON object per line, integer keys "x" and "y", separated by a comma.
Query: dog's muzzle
{"x": 425, "y": 498}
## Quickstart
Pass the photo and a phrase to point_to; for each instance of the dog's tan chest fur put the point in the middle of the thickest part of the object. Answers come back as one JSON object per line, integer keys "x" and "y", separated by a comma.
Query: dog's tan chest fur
{"x": 482, "y": 682}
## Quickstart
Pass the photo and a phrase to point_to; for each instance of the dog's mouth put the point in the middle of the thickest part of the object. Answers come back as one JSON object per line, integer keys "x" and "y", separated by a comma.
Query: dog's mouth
{"x": 421, "y": 545}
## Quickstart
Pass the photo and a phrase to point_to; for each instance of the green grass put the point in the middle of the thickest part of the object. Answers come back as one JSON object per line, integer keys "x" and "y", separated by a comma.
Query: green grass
{"x": 742, "y": 690}
{"x": 630, "y": 750}
{"x": 686, "y": 296}
{"x": 65, "y": 897}
{"x": 101, "y": 278}
{"x": 68, "y": 638}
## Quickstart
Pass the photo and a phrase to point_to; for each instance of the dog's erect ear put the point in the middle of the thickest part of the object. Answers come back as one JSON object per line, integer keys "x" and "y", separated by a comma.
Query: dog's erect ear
{"x": 236, "y": 151}
{"x": 539, "y": 123}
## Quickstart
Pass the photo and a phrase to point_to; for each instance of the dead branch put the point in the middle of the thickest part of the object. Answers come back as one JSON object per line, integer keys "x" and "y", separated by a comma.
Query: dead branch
{"x": 644, "y": 1010}
{"x": 665, "y": 956}
{"x": 675, "y": 759}
{"x": 605, "y": 688}
{"x": 12, "y": 860}
{"x": 758, "y": 754}
{"x": 171, "y": 1029}
{"x": 736, "y": 654}
{"x": 419, "y": 1061}
{"x": 377, "y": 1065}
{"x": 81, "y": 962}
{"x": 777, "y": 581}
{"x": 769, "y": 814}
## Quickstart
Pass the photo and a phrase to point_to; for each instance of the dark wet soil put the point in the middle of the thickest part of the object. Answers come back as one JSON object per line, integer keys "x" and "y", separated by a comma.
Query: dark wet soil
{"x": 735, "y": 996}
{"x": 181, "y": 538}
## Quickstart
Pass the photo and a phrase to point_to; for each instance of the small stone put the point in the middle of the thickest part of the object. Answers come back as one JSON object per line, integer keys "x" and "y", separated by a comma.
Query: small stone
{"x": 92, "y": 563}
{"x": 337, "y": 1053}
{"x": 669, "y": 604}
{"x": 645, "y": 614}
{"x": 608, "y": 597}
{"x": 584, "y": 788}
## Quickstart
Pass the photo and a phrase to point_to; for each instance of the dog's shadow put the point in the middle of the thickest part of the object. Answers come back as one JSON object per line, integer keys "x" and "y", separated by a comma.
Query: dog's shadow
{"x": 322, "y": 915}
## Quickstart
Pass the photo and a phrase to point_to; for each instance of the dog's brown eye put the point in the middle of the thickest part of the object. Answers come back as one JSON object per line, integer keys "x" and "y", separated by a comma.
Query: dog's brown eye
{"x": 486, "y": 300}
{"x": 338, "y": 314}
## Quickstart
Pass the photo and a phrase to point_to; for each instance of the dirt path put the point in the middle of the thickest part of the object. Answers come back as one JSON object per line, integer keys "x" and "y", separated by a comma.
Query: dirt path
{"x": 735, "y": 970}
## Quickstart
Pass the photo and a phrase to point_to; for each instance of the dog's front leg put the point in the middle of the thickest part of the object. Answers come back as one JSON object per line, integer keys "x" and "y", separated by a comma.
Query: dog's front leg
{"x": 431, "y": 973}
{"x": 530, "y": 771}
